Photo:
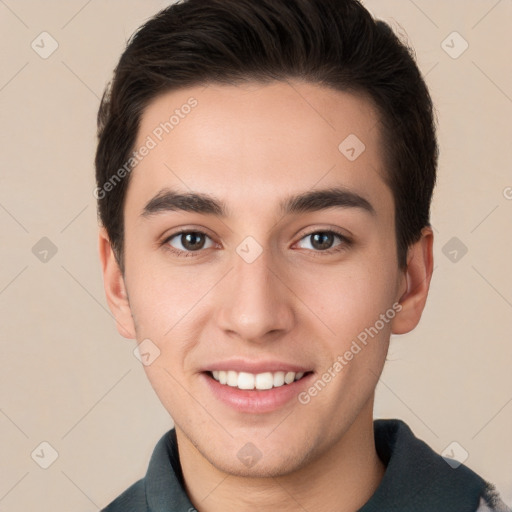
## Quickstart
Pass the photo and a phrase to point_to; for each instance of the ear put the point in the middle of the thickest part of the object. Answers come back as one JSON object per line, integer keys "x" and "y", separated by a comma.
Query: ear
{"x": 416, "y": 283}
{"x": 115, "y": 289}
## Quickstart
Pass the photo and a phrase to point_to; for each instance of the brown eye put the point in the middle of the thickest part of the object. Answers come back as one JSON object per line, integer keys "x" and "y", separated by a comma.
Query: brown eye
{"x": 192, "y": 241}
{"x": 323, "y": 241}
{"x": 188, "y": 241}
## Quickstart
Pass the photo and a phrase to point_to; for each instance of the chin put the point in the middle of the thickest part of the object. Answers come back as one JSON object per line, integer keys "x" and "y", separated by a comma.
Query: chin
{"x": 261, "y": 465}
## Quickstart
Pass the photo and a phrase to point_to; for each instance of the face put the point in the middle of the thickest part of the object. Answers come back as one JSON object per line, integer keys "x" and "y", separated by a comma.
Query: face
{"x": 275, "y": 271}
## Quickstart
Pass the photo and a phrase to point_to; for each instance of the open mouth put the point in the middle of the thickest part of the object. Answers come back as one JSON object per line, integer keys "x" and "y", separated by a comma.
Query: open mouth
{"x": 259, "y": 381}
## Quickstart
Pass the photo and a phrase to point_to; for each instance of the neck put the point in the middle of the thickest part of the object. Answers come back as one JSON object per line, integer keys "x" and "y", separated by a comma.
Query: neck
{"x": 343, "y": 478}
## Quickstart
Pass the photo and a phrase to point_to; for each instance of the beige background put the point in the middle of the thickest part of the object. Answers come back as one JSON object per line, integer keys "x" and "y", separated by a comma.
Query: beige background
{"x": 69, "y": 379}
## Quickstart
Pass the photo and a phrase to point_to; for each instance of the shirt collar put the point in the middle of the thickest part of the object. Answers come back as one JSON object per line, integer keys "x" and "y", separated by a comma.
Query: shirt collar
{"x": 164, "y": 479}
{"x": 416, "y": 478}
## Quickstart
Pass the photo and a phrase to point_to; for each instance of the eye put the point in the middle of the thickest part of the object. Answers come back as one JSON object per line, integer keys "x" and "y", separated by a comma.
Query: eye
{"x": 322, "y": 241}
{"x": 188, "y": 241}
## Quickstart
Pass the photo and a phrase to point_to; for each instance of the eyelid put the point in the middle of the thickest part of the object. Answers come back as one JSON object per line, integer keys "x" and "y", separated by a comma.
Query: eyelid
{"x": 342, "y": 233}
{"x": 326, "y": 229}
{"x": 186, "y": 229}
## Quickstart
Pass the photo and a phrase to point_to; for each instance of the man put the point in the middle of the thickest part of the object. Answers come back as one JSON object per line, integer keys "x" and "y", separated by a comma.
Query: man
{"x": 265, "y": 171}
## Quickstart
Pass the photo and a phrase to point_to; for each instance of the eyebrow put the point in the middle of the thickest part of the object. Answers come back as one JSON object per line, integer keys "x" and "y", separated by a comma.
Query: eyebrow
{"x": 313, "y": 200}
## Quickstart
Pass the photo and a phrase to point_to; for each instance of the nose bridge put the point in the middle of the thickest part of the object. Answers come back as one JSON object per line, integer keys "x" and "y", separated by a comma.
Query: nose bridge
{"x": 255, "y": 301}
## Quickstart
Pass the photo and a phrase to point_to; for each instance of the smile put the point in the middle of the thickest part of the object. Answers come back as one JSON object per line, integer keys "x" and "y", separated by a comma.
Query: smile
{"x": 259, "y": 381}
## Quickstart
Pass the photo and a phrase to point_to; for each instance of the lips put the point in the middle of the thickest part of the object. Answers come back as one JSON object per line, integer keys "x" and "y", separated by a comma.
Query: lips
{"x": 256, "y": 386}
{"x": 252, "y": 393}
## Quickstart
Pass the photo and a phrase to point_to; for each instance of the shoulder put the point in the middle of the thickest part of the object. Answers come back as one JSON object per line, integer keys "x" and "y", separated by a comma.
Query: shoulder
{"x": 133, "y": 499}
{"x": 162, "y": 488}
{"x": 417, "y": 476}
{"x": 491, "y": 501}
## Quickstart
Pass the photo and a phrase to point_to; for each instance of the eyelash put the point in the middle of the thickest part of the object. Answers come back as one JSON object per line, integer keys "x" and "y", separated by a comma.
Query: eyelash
{"x": 343, "y": 245}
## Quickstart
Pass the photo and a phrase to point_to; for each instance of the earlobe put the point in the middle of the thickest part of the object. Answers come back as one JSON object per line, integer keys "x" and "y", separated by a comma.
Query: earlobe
{"x": 418, "y": 274}
{"x": 115, "y": 289}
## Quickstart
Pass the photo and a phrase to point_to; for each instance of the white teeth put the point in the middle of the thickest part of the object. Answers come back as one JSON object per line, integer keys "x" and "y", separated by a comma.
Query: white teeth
{"x": 266, "y": 380}
{"x": 232, "y": 378}
{"x": 245, "y": 380}
{"x": 278, "y": 379}
{"x": 289, "y": 377}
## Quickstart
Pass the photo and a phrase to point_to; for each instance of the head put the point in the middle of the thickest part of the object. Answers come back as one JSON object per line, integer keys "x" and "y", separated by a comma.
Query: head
{"x": 268, "y": 111}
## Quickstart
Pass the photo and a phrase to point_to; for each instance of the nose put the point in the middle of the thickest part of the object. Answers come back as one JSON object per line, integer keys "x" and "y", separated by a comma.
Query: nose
{"x": 255, "y": 303}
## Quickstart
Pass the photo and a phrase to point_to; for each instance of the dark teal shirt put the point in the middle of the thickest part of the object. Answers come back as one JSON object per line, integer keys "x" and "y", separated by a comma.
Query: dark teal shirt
{"x": 416, "y": 479}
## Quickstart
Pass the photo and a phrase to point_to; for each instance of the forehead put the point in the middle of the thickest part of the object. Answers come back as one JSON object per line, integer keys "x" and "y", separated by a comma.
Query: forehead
{"x": 255, "y": 141}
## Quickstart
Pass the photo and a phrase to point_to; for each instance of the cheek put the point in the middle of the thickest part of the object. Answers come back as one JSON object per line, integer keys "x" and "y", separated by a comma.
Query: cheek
{"x": 161, "y": 297}
{"x": 347, "y": 300}
{"x": 170, "y": 308}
